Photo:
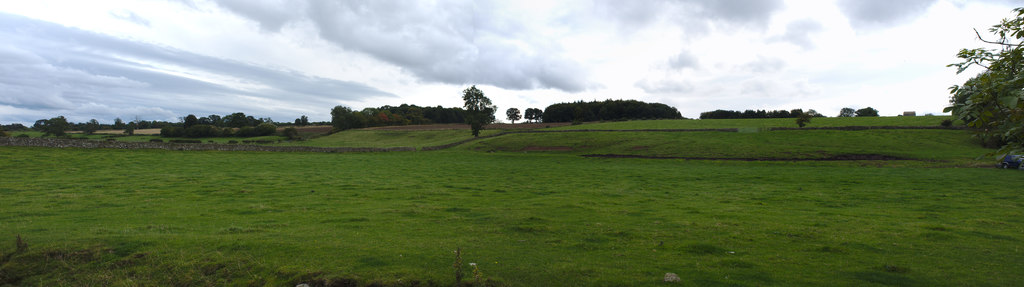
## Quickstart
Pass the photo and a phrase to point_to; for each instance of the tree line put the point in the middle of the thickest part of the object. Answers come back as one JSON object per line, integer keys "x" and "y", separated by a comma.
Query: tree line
{"x": 608, "y": 110}
{"x": 343, "y": 118}
{"x": 783, "y": 114}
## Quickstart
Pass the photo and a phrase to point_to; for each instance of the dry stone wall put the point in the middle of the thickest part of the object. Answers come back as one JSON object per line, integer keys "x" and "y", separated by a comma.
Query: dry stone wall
{"x": 82, "y": 143}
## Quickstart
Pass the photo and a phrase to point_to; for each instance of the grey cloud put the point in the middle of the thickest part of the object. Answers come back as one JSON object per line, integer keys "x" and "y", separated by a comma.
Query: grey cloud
{"x": 800, "y": 33}
{"x": 59, "y": 69}
{"x": 456, "y": 42}
{"x": 683, "y": 60}
{"x": 695, "y": 17}
{"x": 270, "y": 14}
{"x": 741, "y": 11}
{"x": 882, "y": 13}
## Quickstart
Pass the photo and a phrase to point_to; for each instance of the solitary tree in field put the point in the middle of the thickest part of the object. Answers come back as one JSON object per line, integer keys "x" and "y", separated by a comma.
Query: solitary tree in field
{"x": 867, "y": 112}
{"x": 129, "y": 129}
{"x": 847, "y": 113}
{"x": 479, "y": 110}
{"x": 513, "y": 114}
{"x": 803, "y": 119}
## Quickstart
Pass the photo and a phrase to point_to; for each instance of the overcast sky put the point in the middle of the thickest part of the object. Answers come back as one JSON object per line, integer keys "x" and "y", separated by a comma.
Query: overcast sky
{"x": 161, "y": 60}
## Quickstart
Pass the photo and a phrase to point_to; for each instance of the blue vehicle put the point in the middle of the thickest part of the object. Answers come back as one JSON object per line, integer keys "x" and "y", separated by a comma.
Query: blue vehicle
{"x": 1012, "y": 161}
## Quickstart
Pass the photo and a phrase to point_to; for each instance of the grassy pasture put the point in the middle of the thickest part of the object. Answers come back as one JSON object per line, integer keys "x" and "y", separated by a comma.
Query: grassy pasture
{"x": 155, "y": 217}
{"x": 391, "y": 138}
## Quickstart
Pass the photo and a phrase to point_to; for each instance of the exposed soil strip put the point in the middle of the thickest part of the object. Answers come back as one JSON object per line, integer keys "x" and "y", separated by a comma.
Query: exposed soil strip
{"x": 843, "y": 157}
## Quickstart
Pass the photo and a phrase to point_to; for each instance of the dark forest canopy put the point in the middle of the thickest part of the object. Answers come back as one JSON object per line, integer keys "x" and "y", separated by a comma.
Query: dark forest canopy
{"x": 344, "y": 118}
{"x": 756, "y": 114}
{"x": 609, "y": 110}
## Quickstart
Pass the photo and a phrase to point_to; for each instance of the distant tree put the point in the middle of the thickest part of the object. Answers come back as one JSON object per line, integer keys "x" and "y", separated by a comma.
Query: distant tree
{"x": 2, "y": 133}
{"x": 91, "y": 127}
{"x": 513, "y": 114}
{"x": 190, "y": 121}
{"x": 302, "y": 121}
{"x": 534, "y": 114}
{"x": 803, "y": 119}
{"x": 479, "y": 110}
{"x": 815, "y": 114}
{"x": 867, "y": 112}
{"x": 237, "y": 120}
{"x": 55, "y": 126}
{"x": 118, "y": 124}
{"x": 847, "y": 113}
{"x": 343, "y": 118}
{"x": 216, "y": 120}
{"x": 129, "y": 129}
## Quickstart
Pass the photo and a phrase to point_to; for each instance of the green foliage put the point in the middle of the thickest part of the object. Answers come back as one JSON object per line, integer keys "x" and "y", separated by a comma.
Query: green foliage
{"x": 201, "y": 131}
{"x": 866, "y": 112}
{"x": 129, "y": 129}
{"x": 55, "y": 126}
{"x": 847, "y": 112}
{"x": 172, "y": 132}
{"x": 266, "y": 129}
{"x": 756, "y": 114}
{"x": 479, "y": 110}
{"x": 534, "y": 115}
{"x": 302, "y": 121}
{"x": 3, "y": 133}
{"x": 608, "y": 110}
{"x": 291, "y": 133}
{"x": 990, "y": 102}
{"x": 190, "y": 121}
{"x": 342, "y": 118}
{"x": 513, "y": 114}
{"x": 91, "y": 127}
{"x": 803, "y": 119}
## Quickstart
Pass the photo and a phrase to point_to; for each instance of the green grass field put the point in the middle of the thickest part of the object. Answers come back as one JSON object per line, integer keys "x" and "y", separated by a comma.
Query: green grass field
{"x": 526, "y": 218}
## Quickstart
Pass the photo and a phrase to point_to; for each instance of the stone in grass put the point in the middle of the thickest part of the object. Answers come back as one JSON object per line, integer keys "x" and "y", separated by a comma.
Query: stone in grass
{"x": 672, "y": 277}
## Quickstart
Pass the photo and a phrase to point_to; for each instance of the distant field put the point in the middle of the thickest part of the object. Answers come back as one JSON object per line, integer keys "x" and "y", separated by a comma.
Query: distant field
{"x": 528, "y": 209}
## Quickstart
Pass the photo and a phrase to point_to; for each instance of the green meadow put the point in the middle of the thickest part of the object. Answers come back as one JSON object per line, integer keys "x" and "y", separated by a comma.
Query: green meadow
{"x": 759, "y": 208}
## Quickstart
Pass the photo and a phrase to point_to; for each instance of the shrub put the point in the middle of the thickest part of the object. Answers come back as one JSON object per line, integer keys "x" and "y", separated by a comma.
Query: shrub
{"x": 290, "y": 133}
{"x": 232, "y": 142}
{"x": 22, "y": 136}
{"x": 156, "y": 140}
{"x": 245, "y": 132}
{"x": 227, "y": 132}
{"x": 172, "y": 132}
{"x": 266, "y": 129}
{"x": 947, "y": 123}
{"x": 186, "y": 141}
{"x": 201, "y": 131}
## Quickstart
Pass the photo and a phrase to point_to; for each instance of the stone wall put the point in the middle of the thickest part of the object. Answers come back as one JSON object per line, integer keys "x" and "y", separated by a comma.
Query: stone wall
{"x": 83, "y": 143}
